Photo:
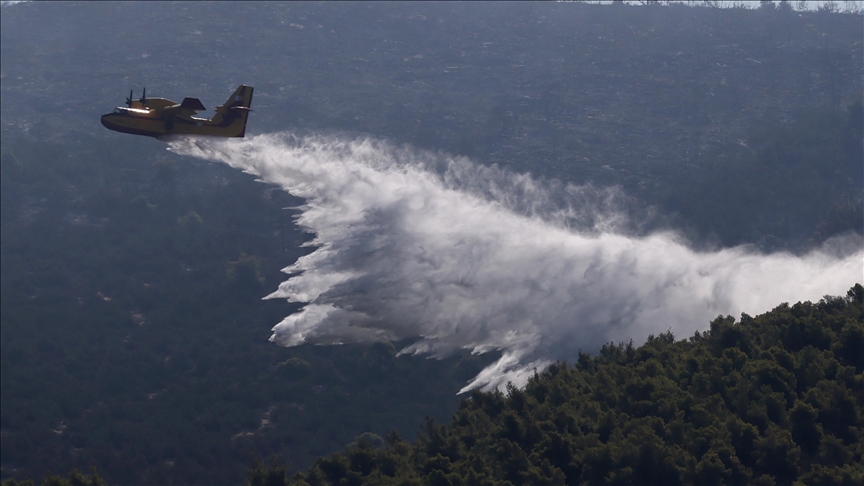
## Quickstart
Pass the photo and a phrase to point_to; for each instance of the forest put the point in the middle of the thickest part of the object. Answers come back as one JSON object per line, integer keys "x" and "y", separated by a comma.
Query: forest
{"x": 772, "y": 399}
{"x": 134, "y": 337}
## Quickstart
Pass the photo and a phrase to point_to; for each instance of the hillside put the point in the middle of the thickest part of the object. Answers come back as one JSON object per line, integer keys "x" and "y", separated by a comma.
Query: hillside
{"x": 772, "y": 399}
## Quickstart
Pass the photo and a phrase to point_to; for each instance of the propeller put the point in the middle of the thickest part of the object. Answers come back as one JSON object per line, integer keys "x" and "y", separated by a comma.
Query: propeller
{"x": 129, "y": 99}
{"x": 143, "y": 96}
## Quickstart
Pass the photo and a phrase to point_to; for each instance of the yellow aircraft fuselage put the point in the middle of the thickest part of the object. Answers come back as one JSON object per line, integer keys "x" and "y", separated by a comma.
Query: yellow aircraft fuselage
{"x": 157, "y": 117}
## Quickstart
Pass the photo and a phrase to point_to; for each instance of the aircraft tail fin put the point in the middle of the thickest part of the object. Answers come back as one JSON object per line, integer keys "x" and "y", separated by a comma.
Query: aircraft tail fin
{"x": 242, "y": 97}
{"x": 236, "y": 110}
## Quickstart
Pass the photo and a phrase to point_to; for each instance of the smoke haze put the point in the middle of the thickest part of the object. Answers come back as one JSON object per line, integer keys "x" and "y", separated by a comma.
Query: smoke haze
{"x": 464, "y": 257}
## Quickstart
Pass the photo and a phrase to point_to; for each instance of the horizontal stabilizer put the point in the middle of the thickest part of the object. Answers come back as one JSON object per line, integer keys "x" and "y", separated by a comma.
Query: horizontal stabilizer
{"x": 192, "y": 104}
{"x": 242, "y": 97}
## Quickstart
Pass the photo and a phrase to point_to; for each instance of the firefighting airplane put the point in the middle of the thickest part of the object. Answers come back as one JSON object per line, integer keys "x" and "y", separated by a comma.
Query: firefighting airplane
{"x": 157, "y": 117}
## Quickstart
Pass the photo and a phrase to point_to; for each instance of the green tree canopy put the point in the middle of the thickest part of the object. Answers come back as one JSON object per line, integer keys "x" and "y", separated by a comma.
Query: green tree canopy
{"x": 773, "y": 399}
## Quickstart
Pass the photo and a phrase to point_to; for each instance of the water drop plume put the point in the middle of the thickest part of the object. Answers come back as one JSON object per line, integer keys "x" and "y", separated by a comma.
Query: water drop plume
{"x": 460, "y": 256}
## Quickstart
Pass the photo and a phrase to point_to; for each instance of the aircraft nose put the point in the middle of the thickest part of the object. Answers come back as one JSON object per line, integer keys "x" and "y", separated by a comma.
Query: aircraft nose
{"x": 106, "y": 122}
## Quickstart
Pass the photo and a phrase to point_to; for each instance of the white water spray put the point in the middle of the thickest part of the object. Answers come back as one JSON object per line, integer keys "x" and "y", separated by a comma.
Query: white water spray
{"x": 414, "y": 245}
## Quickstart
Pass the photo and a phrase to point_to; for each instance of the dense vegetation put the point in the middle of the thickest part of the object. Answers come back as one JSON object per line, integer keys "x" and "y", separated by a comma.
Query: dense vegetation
{"x": 133, "y": 337}
{"x": 74, "y": 478}
{"x": 772, "y": 399}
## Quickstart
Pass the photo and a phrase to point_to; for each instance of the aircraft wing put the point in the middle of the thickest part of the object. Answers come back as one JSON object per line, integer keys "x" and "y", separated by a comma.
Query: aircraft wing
{"x": 186, "y": 109}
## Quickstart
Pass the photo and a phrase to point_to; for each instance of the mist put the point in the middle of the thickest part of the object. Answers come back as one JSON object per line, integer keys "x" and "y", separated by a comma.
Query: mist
{"x": 458, "y": 256}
